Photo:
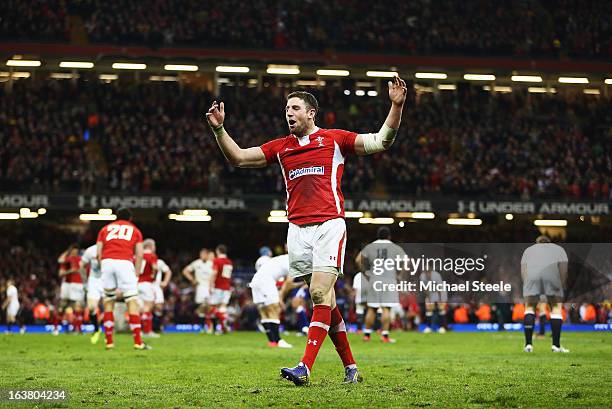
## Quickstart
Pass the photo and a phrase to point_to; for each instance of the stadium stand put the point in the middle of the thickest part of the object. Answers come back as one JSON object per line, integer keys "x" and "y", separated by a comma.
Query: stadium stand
{"x": 544, "y": 28}
{"x": 151, "y": 137}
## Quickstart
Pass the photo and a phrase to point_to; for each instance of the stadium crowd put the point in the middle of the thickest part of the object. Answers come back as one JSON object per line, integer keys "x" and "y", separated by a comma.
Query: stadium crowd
{"x": 151, "y": 137}
{"x": 543, "y": 28}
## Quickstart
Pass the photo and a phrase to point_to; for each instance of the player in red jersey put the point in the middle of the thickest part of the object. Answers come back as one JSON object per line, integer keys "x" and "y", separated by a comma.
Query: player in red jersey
{"x": 120, "y": 253}
{"x": 146, "y": 289}
{"x": 221, "y": 283}
{"x": 312, "y": 161}
{"x": 71, "y": 291}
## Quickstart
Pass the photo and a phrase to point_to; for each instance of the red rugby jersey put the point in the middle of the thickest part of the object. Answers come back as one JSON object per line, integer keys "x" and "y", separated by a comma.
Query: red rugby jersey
{"x": 223, "y": 266}
{"x": 72, "y": 264}
{"x": 312, "y": 167}
{"x": 119, "y": 239}
{"x": 149, "y": 260}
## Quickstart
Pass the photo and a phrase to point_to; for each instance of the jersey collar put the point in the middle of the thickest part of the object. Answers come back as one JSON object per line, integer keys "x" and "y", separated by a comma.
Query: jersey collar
{"x": 304, "y": 140}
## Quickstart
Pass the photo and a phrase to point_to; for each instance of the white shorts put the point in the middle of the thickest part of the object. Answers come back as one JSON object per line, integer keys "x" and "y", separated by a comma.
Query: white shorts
{"x": 95, "y": 289}
{"x": 381, "y": 305}
{"x": 119, "y": 274}
{"x": 72, "y": 292}
{"x": 436, "y": 297}
{"x": 146, "y": 291}
{"x": 316, "y": 247}
{"x": 220, "y": 297}
{"x": 12, "y": 310}
{"x": 159, "y": 294}
{"x": 265, "y": 292}
{"x": 202, "y": 294}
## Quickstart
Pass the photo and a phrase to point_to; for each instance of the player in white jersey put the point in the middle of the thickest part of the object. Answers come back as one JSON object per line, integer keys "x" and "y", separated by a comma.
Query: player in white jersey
{"x": 265, "y": 254}
{"x": 434, "y": 299}
{"x": 544, "y": 271}
{"x": 378, "y": 252}
{"x": 162, "y": 279}
{"x": 95, "y": 288}
{"x": 198, "y": 273}
{"x": 360, "y": 283}
{"x": 267, "y": 297}
{"x": 11, "y": 305}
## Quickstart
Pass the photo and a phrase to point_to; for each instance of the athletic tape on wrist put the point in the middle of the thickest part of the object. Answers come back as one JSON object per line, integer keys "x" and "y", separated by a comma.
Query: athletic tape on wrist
{"x": 219, "y": 131}
{"x": 380, "y": 141}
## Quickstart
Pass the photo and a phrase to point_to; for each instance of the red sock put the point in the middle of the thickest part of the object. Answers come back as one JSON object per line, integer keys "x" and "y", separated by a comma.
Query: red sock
{"x": 78, "y": 321}
{"x": 221, "y": 317}
{"x": 109, "y": 325}
{"x": 147, "y": 322}
{"x": 319, "y": 325}
{"x": 337, "y": 333}
{"x": 55, "y": 319}
{"x": 136, "y": 328}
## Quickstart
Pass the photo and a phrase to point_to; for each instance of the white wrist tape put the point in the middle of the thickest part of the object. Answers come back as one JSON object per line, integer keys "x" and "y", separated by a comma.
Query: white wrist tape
{"x": 378, "y": 142}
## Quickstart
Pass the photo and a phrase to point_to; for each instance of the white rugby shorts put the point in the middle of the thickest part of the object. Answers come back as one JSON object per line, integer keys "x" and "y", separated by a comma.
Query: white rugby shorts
{"x": 119, "y": 274}
{"x": 220, "y": 297}
{"x": 316, "y": 247}
{"x": 264, "y": 292}
{"x": 202, "y": 294}
{"x": 95, "y": 289}
{"x": 12, "y": 310}
{"x": 159, "y": 294}
{"x": 146, "y": 291}
{"x": 72, "y": 291}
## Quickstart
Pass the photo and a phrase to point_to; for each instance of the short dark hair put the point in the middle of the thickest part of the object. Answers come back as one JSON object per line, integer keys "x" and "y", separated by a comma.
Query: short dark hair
{"x": 124, "y": 214}
{"x": 222, "y": 248}
{"x": 383, "y": 233}
{"x": 307, "y": 97}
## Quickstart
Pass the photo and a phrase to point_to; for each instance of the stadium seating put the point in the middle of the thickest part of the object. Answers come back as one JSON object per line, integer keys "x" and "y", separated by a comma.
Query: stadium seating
{"x": 151, "y": 137}
{"x": 543, "y": 28}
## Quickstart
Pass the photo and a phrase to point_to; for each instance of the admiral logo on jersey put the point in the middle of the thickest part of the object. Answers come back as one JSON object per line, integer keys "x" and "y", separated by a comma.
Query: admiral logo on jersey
{"x": 313, "y": 170}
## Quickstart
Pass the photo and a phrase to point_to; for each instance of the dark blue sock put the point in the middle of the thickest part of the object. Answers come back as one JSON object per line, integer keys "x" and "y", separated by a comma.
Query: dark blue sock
{"x": 302, "y": 318}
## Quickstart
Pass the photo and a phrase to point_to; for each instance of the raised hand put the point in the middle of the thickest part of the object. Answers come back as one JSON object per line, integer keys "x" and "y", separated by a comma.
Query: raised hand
{"x": 216, "y": 115}
{"x": 397, "y": 91}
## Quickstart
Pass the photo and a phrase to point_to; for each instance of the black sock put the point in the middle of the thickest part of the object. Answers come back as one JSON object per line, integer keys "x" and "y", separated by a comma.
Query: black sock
{"x": 202, "y": 321}
{"x": 275, "y": 331}
{"x": 555, "y": 326}
{"x": 443, "y": 320}
{"x": 542, "y": 330}
{"x": 428, "y": 319}
{"x": 360, "y": 318}
{"x": 268, "y": 328}
{"x": 528, "y": 323}
{"x": 94, "y": 320}
{"x": 157, "y": 319}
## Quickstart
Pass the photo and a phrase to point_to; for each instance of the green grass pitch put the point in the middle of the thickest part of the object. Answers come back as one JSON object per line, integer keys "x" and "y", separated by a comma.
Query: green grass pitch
{"x": 464, "y": 370}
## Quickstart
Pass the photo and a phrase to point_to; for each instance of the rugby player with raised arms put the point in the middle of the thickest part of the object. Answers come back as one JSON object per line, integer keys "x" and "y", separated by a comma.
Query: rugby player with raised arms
{"x": 312, "y": 162}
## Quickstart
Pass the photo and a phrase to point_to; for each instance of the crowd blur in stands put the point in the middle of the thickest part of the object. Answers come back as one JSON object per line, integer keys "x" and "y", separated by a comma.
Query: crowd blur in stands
{"x": 542, "y": 28}
{"x": 151, "y": 137}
